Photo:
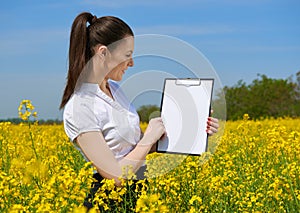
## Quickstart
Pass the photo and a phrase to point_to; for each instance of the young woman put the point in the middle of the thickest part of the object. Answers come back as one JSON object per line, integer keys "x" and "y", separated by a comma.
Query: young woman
{"x": 97, "y": 116}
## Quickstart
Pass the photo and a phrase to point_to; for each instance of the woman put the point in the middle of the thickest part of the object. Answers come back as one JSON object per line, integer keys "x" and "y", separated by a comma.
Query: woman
{"x": 97, "y": 115}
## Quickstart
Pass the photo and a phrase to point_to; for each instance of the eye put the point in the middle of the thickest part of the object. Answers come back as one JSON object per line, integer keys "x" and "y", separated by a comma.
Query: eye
{"x": 129, "y": 54}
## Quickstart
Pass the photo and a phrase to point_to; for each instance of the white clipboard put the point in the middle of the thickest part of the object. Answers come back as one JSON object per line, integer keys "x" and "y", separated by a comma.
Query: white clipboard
{"x": 185, "y": 107}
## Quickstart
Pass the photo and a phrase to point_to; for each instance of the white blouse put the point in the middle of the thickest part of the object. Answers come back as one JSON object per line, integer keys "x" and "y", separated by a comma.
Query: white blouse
{"x": 90, "y": 109}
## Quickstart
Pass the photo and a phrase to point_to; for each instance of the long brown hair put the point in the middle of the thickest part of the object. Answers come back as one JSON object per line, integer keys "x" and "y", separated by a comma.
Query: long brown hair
{"x": 88, "y": 31}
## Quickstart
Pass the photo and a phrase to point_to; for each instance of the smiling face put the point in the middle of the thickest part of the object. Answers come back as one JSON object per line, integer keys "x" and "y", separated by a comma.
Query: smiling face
{"x": 121, "y": 58}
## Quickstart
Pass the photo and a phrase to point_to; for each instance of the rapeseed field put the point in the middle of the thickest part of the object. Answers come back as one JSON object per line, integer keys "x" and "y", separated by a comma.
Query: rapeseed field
{"x": 254, "y": 168}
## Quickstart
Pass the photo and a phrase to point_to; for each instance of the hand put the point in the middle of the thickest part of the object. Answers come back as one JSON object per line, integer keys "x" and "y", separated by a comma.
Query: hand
{"x": 155, "y": 130}
{"x": 212, "y": 125}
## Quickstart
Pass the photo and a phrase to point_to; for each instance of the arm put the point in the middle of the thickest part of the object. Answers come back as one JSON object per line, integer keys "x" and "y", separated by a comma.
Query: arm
{"x": 97, "y": 151}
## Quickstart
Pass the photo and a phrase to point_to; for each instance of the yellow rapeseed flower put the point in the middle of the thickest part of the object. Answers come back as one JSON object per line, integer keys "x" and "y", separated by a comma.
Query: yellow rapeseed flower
{"x": 255, "y": 168}
{"x": 26, "y": 110}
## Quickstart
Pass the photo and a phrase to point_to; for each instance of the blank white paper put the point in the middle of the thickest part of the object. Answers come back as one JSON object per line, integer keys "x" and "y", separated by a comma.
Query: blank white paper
{"x": 184, "y": 110}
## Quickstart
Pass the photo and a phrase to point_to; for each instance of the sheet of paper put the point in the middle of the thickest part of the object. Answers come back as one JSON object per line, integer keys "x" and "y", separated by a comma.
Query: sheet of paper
{"x": 185, "y": 108}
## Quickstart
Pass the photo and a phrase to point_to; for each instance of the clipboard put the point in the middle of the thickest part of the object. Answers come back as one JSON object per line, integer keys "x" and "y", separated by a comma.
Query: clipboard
{"x": 185, "y": 107}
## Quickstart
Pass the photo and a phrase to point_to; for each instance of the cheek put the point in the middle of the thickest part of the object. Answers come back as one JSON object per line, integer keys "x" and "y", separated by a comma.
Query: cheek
{"x": 117, "y": 69}
{"x": 113, "y": 62}
{"x": 121, "y": 66}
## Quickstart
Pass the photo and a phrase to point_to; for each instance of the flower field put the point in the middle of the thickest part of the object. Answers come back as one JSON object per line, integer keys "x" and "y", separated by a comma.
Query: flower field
{"x": 255, "y": 168}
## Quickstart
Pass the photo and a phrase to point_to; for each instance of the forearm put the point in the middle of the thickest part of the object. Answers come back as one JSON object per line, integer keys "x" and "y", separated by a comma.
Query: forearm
{"x": 93, "y": 142}
{"x": 137, "y": 156}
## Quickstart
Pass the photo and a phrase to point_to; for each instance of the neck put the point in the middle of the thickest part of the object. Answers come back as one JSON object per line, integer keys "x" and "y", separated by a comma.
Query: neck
{"x": 104, "y": 84}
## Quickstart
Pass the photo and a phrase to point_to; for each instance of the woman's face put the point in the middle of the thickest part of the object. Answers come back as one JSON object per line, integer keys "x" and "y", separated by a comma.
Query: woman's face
{"x": 121, "y": 58}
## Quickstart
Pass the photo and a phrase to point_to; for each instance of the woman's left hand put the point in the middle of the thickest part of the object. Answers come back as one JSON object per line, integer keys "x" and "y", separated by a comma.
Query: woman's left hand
{"x": 212, "y": 125}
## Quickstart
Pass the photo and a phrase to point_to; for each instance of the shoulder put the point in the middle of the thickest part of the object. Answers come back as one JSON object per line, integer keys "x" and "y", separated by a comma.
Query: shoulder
{"x": 84, "y": 107}
{"x": 78, "y": 104}
{"x": 86, "y": 100}
{"x": 80, "y": 114}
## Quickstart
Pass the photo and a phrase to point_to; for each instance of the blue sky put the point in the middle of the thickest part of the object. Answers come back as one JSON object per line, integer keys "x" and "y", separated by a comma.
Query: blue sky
{"x": 239, "y": 38}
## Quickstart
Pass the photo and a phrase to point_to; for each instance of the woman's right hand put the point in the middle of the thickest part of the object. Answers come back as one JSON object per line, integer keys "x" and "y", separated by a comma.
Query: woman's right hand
{"x": 155, "y": 130}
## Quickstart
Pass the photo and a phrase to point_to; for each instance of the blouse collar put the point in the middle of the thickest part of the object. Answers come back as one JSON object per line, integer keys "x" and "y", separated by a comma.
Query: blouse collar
{"x": 94, "y": 89}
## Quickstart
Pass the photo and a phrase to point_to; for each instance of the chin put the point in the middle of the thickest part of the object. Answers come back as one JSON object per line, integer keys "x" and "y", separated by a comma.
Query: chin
{"x": 117, "y": 79}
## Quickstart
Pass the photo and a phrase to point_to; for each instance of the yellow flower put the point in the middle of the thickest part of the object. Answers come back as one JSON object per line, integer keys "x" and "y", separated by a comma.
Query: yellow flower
{"x": 195, "y": 198}
{"x": 246, "y": 117}
{"x": 26, "y": 110}
{"x": 80, "y": 209}
{"x": 143, "y": 126}
{"x": 34, "y": 114}
{"x": 255, "y": 168}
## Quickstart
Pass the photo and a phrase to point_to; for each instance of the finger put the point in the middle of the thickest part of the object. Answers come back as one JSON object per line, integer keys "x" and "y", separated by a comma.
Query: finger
{"x": 213, "y": 119}
{"x": 211, "y": 131}
{"x": 213, "y": 124}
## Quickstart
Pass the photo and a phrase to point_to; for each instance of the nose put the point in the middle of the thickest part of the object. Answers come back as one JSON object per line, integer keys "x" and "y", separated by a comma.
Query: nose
{"x": 130, "y": 63}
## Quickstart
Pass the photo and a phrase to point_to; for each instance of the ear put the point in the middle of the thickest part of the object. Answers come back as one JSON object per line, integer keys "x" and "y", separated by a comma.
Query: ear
{"x": 101, "y": 50}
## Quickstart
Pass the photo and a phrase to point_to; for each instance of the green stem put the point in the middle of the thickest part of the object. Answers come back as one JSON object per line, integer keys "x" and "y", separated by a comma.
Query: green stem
{"x": 32, "y": 141}
{"x": 36, "y": 182}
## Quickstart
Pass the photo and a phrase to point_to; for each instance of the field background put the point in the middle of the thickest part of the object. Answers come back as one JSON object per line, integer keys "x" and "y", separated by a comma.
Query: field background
{"x": 252, "y": 163}
{"x": 252, "y": 167}
{"x": 255, "y": 168}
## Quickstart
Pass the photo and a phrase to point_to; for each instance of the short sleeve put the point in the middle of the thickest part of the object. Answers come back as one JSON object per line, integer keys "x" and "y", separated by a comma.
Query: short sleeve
{"x": 80, "y": 116}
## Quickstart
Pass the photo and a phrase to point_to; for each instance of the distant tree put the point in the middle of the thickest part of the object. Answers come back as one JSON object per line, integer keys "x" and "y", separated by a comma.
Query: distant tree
{"x": 40, "y": 121}
{"x": 237, "y": 98}
{"x": 272, "y": 97}
{"x": 50, "y": 121}
{"x": 264, "y": 97}
{"x": 298, "y": 83}
{"x": 146, "y": 112}
{"x": 12, "y": 120}
{"x": 297, "y": 105}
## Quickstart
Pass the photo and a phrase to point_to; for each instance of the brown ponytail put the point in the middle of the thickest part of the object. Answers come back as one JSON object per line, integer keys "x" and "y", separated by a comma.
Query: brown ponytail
{"x": 105, "y": 30}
